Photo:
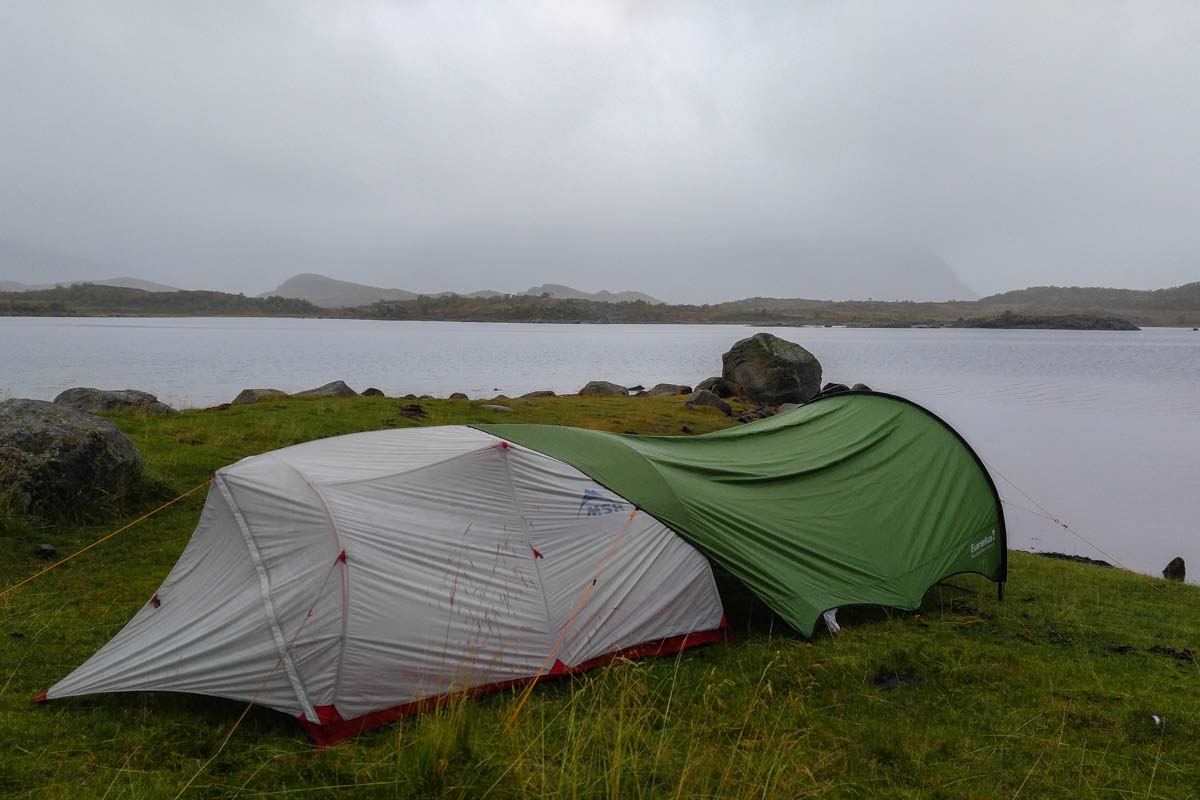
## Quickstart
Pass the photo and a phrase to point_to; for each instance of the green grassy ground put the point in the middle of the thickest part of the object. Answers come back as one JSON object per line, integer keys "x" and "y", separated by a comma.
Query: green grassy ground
{"x": 975, "y": 699}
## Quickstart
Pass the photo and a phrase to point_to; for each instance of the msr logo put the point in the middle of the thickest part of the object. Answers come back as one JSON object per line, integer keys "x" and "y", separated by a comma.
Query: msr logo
{"x": 983, "y": 544}
{"x": 594, "y": 504}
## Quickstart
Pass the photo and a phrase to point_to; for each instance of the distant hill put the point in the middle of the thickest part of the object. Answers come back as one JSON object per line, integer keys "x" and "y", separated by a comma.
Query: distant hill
{"x": 90, "y": 299}
{"x": 331, "y": 293}
{"x": 1177, "y": 298}
{"x": 557, "y": 290}
{"x": 133, "y": 283}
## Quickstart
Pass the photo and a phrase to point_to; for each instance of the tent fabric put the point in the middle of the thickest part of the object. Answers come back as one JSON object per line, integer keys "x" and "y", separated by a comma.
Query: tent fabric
{"x": 351, "y": 580}
{"x": 856, "y": 498}
{"x": 435, "y": 561}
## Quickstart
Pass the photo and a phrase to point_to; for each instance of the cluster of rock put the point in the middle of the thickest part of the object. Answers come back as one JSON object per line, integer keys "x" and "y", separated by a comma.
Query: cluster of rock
{"x": 771, "y": 373}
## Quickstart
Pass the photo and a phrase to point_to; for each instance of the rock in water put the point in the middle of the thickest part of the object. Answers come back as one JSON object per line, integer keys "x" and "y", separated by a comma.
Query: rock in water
{"x": 771, "y": 370}
{"x": 104, "y": 401}
{"x": 334, "y": 389}
{"x": 703, "y": 397}
{"x": 718, "y": 386}
{"x": 603, "y": 389}
{"x": 668, "y": 388}
{"x": 54, "y": 459}
{"x": 246, "y": 396}
{"x": 1175, "y": 570}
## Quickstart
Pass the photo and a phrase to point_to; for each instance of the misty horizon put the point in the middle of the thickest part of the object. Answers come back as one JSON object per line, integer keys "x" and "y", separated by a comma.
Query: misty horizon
{"x": 695, "y": 153}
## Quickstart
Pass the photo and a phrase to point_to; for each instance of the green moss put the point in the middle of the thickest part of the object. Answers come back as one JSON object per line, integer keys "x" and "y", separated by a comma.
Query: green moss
{"x": 992, "y": 703}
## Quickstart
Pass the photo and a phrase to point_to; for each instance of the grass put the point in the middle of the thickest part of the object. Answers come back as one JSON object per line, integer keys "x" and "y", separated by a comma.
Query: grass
{"x": 976, "y": 698}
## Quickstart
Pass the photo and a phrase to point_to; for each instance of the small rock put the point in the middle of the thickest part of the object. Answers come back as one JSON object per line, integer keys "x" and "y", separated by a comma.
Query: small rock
{"x": 1175, "y": 571}
{"x": 718, "y": 386}
{"x": 46, "y": 551}
{"x": 409, "y": 396}
{"x": 539, "y": 393}
{"x": 603, "y": 389}
{"x": 495, "y": 407}
{"x": 888, "y": 680}
{"x": 425, "y": 397}
{"x": 372, "y": 392}
{"x": 501, "y": 397}
{"x": 1170, "y": 652}
{"x": 412, "y": 410}
{"x": 860, "y": 387}
{"x": 636, "y": 388}
{"x": 332, "y": 389}
{"x": 834, "y": 388}
{"x": 686, "y": 428}
{"x": 255, "y": 395}
{"x": 703, "y": 397}
{"x": 459, "y": 396}
{"x": 667, "y": 389}
{"x": 105, "y": 401}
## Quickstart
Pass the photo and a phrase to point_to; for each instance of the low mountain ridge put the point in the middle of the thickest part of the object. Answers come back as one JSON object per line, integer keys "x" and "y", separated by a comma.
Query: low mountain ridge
{"x": 331, "y": 293}
{"x": 1175, "y": 298}
{"x": 561, "y": 292}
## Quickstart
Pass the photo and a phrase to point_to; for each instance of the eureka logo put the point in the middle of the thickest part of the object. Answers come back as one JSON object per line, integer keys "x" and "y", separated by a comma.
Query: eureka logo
{"x": 983, "y": 544}
{"x": 595, "y": 504}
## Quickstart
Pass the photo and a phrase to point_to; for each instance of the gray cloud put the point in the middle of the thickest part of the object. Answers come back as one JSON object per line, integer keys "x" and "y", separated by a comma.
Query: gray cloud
{"x": 694, "y": 151}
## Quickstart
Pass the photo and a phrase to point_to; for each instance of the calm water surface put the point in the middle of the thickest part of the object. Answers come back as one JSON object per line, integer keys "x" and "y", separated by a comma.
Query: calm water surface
{"x": 1101, "y": 428}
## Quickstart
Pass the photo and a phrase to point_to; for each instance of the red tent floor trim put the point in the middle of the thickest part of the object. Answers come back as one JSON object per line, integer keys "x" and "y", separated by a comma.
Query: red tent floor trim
{"x": 334, "y": 728}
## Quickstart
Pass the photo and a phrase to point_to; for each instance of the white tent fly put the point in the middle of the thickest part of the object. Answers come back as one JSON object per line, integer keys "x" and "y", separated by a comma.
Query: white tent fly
{"x": 350, "y": 580}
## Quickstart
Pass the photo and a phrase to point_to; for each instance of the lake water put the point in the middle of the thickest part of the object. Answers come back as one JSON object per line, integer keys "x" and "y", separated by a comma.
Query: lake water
{"x": 1101, "y": 428}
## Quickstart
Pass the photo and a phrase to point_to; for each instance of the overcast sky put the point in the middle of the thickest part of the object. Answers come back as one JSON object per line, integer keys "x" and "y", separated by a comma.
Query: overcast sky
{"x": 692, "y": 150}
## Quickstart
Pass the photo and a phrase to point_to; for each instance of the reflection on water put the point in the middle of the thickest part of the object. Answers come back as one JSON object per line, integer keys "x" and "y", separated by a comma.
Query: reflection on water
{"x": 1100, "y": 427}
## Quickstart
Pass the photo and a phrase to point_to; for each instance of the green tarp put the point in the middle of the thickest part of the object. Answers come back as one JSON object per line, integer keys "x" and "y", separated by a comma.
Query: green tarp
{"x": 856, "y": 498}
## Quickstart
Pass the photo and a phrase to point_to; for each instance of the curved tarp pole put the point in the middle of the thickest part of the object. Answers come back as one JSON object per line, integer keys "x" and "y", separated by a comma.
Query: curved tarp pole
{"x": 855, "y": 498}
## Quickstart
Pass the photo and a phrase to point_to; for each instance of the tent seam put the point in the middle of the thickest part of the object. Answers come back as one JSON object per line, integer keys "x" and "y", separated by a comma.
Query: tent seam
{"x": 337, "y": 541}
{"x": 264, "y": 585}
{"x": 512, "y": 489}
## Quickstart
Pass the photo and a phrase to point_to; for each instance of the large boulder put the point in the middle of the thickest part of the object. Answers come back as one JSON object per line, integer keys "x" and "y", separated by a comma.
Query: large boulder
{"x": 334, "y": 389}
{"x": 246, "y": 396}
{"x": 770, "y": 370}
{"x": 668, "y": 388}
{"x": 105, "y": 401}
{"x": 703, "y": 397}
{"x": 603, "y": 389}
{"x": 54, "y": 459}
